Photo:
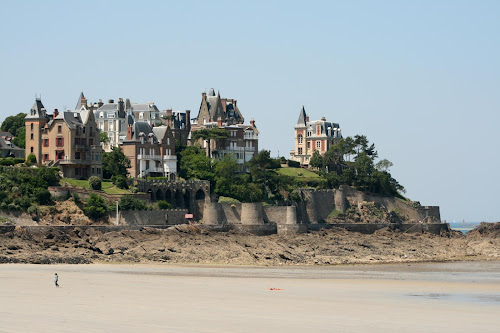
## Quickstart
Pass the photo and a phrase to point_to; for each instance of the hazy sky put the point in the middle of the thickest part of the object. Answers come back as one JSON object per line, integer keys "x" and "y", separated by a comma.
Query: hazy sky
{"x": 420, "y": 79}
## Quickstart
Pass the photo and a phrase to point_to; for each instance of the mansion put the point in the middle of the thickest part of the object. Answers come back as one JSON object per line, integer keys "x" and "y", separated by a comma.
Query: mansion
{"x": 313, "y": 135}
{"x": 68, "y": 140}
{"x": 218, "y": 112}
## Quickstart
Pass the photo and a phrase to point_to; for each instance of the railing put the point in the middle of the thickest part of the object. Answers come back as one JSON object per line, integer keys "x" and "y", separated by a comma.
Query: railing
{"x": 79, "y": 162}
{"x": 240, "y": 148}
{"x": 155, "y": 169}
{"x": 170, "y": 157}
{"x": 148, "y": 157}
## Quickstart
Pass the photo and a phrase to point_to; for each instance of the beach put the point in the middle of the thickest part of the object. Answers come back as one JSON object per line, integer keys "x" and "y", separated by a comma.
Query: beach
{"x": 416, "y": 297}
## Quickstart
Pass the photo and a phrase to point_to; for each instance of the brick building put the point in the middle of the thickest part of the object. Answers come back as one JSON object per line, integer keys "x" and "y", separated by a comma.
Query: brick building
{"x": 151, "y": 150}
{"x": 313, "y": 135}
{"x": 68, "y": 140}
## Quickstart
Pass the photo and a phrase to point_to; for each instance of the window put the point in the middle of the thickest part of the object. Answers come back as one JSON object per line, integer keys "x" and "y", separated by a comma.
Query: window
{"x": 83, "y": 130}
{"x": 31, "y": 149}
{"x": 31, "y": 136}
{"x": 309, "y": 145}
{"x": 59, "y": 142}
{"x": 77, "y": 155}
{"x": 141, "y": 115}
{"x": 318, "y": 144}
{"x": 31, "y": 126}
{"x": 300, "y": 151}
{"x": 168, "y": 141}
{"x": 45, "y": 142}
{"x": 45, "y": 157}
{"x": 59, "y": 129}
{"x": 299, "y": 138}
{"x": 91, "y": 142}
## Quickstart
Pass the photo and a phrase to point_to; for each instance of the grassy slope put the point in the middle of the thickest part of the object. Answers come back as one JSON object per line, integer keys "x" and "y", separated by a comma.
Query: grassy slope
{"x": 294, "y": 172}
{"x": 107, "y": 186}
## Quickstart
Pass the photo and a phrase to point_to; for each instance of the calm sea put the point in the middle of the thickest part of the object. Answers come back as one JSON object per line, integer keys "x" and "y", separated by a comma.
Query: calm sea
{"x": 464, "y": 227}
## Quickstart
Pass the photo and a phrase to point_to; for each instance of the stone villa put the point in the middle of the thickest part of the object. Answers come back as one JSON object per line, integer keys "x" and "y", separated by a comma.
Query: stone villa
{"x": 217, "y": 112}
{"x": 68, "y": 140}
{"x": 313, "y": 135}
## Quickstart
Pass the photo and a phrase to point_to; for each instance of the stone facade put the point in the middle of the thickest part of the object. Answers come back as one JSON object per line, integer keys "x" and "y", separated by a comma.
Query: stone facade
{"x": 313, "y": 135}
{"x": 217, "y": 112}
{"x": 180, "y": 123}
{"x": 112, "y": 119}
{"x": 151, "y": 150}
{"x": 68, "y": 140}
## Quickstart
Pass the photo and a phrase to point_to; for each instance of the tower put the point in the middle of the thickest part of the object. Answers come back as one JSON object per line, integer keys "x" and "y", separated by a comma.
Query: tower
{"x": 34, "y": 122}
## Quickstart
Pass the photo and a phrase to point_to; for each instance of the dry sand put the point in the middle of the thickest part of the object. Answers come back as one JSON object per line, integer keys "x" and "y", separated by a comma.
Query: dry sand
{"x": 433, "y": 297}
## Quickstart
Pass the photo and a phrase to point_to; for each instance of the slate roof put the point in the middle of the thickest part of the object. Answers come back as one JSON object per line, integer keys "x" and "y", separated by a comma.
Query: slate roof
{"x": 79, "y": 104}
{"x": 5, "y": 144}
{"x": 140, "y": 127}
{"x": 302, "y": 117}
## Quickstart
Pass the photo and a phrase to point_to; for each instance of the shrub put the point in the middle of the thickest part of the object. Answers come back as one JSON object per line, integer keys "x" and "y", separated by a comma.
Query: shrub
{"x": 95, "y": 207}
{"x": 293, "y": 164}
{"x": 33, "y": 210}
{"x": 162, "y": 204}
{"x": 120, "y": 181}
{"x": 31, "y": 159}
{"x": 228, "y": 200}
{"x": 128, "y": 202}
{"x": 95, "y": 183}
{"x": 76, "y": 197}
{"x": 42, "y": 196}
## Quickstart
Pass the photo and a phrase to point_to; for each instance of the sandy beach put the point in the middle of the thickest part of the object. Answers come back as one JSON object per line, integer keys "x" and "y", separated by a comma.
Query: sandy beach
{"x": 427, "y": 297}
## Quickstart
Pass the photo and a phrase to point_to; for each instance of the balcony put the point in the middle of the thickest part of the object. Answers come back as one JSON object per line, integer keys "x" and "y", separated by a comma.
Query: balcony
{"x": 77, "y": 162}
{"x": 155, "y": 169}
{"x": 170, "y": 158}
{"x": 149, "y": 157}
{"x": 240, "y": 149}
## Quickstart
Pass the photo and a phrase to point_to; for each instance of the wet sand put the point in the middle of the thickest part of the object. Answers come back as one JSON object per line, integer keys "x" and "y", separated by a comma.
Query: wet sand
{"x": 430, "y": 297}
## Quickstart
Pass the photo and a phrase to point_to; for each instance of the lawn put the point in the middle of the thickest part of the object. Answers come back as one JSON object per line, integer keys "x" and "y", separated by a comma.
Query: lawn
{"x": 298, "y": 173}
{"x": 107, "y": 186}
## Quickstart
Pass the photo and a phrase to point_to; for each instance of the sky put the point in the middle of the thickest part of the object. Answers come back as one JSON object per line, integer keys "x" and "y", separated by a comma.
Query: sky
{"x": 421, "y": 79}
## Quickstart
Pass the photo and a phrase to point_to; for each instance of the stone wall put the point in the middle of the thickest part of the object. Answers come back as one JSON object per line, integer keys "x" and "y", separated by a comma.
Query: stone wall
{"x": 149, "y": 217}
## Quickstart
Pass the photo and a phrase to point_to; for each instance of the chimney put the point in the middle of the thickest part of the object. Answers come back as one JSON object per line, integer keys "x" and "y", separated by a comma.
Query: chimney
{"x": 111, "y": 101}
{"x": 188, "y": 120}
{"x": 323, "y": 118}
{"x": 307, "y": 119}
{"x": 234, "y": 102}
{"x": 219, "y": 122}
{"x": 100, "y": 103}
{"x": 203, "y": 95}
{"x": 56, "y": 113}
{"x": 121, "y": 107}
{"x": 252, "y": 122}
{"x": 129, "y": 132}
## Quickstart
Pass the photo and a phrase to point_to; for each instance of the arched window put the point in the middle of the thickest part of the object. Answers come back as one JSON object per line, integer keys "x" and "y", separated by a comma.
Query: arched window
{"x": 31, "y": 126}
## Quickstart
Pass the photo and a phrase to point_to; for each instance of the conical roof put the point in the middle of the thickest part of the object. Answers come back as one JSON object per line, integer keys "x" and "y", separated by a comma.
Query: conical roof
{"x": 302, "y": 116}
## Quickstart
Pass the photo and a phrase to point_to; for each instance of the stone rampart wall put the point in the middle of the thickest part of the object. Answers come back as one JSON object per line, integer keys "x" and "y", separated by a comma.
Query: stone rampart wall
{"x": 149, "y": 217}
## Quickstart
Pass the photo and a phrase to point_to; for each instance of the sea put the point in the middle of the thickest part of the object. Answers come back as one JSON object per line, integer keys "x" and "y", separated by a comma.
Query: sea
{"x": 464, "y": 227}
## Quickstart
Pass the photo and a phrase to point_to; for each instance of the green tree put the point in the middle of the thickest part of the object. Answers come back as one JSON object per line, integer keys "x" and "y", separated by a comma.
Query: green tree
{"x": 194, "y": 164}
{"x": 128, "y": 202}
{"x": 209, "y": 134}
{"x": 103, "y": 137}
{"x": 316, "y": 160}
{"x": 383, "y": 165}
{"x": 115, "y": 163}
{"x": 95, "y": 207}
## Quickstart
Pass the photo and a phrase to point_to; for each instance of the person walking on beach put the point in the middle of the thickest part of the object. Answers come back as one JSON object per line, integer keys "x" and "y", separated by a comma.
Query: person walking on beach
{"x": 56, "y": 278}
